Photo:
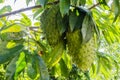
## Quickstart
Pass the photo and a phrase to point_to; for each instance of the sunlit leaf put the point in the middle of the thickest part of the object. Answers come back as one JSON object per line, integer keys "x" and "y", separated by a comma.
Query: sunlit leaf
{"x": 37, "y": 13}
{"x": 13, "y": 28}
{"x": 25, "y": 20}
{"x": 102, "y": 2}
{"x": 11, "y": 44}
{"x": 37, "y": 23}
{"x": 67, "y": 60}
{"x": 1, "y": 1}
{"x": 57, "y": 70}
{"x": 20, "y": 64}
{"x": 56, "y": 55}
{"x": 93, "y": 68}
{"x": 1, "y": 24}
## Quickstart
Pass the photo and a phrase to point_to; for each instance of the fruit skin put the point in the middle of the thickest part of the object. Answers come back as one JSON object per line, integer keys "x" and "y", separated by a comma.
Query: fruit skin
{"x": 53, "y": 28}
{"x": 73, "y": 42}
{"x": 50, "y": 25}
{"x": 83, "y": 55}
{"x": 86, "y": 55}
{"x": 80, "y": 38}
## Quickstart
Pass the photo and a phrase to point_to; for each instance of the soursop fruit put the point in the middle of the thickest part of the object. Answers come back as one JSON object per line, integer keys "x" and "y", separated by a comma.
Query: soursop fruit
{"x": 51, "y": 23}
{"x": 82, "y": 55}
{"x": 53, "y": 28}
{"x": 86, "y": 55}
{"x": 81, "y": 41}
{"x": 73, "y": 41}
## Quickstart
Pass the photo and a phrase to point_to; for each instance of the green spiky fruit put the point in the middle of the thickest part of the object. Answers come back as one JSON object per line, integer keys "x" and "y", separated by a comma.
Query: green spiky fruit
{"x": 50, "y": 24}
{"x": 73, "y": 41}
{"x": 86, "y": 55}
{"x": 82, "y": 54}
{"x": 53, "y": 28}
{"x": 81, "y": 45}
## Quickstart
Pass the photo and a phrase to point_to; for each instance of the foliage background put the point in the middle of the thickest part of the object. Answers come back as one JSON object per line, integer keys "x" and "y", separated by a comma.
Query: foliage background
{"x": 21, "y": 41}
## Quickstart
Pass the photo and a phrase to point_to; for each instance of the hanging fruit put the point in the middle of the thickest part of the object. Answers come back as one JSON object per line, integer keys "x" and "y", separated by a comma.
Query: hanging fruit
{"x": 80, "y": 38}
{"x": 51, "y": 23}
{"x": 53, "y": 28}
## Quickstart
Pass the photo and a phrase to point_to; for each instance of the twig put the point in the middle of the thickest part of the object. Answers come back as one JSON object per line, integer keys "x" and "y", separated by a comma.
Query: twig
{"x": 26, "y": 9}
{"x": 33, "y": 27}
{"x": 94, "y": 6}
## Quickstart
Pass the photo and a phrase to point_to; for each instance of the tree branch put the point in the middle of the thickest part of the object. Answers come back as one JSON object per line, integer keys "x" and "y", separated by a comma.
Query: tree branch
{"x": 26, "y": 9}
{"x": 94, "y": 6}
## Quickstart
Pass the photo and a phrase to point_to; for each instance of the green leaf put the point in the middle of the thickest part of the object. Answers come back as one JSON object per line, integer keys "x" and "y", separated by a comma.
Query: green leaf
{"x": 102, "y": 2}
{"x": 64, "y": 6}
{"x": 28, "y": 1}
{"x": 67, "y": 60}
{"x": 11, "y": 68}
{"x": 82, "y": 2}
{"x": 56, "y": 54}
{"x": 116, "y": 9}
{"x": 87, "y": 28}
{"x": 4, "y": 36}
{"x": 20, "y": 64}
{"x": 31, "y": 72}
{"x": 25, "y": 20}
{"x": 37, "y": 23}
{"x": 57, "y": 70}
{"x": 16, "y": 36}
{"x": 80, "y": 12}
{"x": 73, "y": 19}
{"x": 64, "y": 69}
{"x": 8, "y": 54}
{"x": 43, "y": 2}
{"x": 32, "y": 67}
{"x": 60, "y": 23}
{"x": 1, "y": 1}
{"x": 10, "y": 44}
{"x": 93, "y": 68}
{"x": 73, "y": 2}
{"x": 78, "y": 2}
{"x": 44, "y": 75}
{"x": 37, "y": 13}
{"x": 76, "y": 18}
{"x": 12, "y": 28}
{"x": 98, "y": 65}
{"x": 5, "y": 9}
{"x": 97, "y": 31}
